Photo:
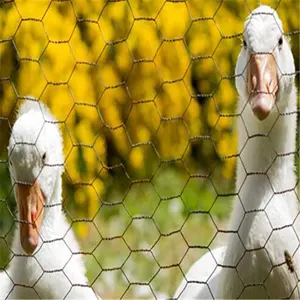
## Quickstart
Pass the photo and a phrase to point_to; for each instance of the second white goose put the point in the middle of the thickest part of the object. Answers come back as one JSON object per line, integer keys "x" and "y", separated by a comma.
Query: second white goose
{"x": 264, "y": 218}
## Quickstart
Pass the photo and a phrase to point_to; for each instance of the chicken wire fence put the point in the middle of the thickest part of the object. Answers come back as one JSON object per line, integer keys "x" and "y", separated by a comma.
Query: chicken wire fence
{"x": 144, "y": 96}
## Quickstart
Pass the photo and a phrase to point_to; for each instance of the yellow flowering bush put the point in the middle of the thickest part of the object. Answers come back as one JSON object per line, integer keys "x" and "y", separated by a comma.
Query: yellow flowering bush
{"x": 125, "y": 73}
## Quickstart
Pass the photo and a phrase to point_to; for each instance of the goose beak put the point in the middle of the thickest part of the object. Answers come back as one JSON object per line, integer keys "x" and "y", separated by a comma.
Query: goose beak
{"x": 31, "y": 207}
{"x": 262, "y": 84}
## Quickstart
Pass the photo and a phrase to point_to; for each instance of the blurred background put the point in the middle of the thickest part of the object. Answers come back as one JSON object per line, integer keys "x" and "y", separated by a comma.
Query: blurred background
{"x": 144, "y": 93}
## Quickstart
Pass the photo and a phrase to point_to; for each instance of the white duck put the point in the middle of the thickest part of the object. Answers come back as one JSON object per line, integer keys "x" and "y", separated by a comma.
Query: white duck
{"x": 253, "y": 265}
{"x": 46, "y": 260}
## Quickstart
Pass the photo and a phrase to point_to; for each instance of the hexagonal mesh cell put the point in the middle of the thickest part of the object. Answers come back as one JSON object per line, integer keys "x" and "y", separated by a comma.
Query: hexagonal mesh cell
{"x": 144, "y": 153}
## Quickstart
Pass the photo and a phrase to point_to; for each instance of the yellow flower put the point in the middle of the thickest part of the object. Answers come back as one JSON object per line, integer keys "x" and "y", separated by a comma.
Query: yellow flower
{"x": 32, "y": 9}
{"x": 136, "y": 157}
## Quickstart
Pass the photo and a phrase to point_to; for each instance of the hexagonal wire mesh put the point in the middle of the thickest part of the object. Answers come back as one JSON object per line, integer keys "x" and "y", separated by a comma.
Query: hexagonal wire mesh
{"x": 143, "y": 93}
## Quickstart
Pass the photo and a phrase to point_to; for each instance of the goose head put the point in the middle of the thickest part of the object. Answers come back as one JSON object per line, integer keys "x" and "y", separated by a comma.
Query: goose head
{"x": 35, "y": 162}
{"x": 265, "y": 68}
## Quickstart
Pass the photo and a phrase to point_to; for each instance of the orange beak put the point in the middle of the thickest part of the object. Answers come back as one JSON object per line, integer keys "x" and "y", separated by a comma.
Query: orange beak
{"x": 262, "y": 84}
{"x": 31, "y": 207}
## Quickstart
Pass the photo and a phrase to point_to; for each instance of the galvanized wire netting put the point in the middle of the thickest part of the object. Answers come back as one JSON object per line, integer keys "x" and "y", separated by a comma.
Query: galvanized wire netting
{"x": 144, "y": 96}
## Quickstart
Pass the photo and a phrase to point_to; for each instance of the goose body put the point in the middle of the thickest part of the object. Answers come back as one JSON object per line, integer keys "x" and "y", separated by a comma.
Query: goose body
{"x": 264, "y": 224}
{"x": 201, "y": 281}
{"x": 46, "y": 260}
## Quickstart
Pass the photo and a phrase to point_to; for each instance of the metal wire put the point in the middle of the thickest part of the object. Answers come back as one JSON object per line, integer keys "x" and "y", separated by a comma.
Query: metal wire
{"x": 178, "y": 266}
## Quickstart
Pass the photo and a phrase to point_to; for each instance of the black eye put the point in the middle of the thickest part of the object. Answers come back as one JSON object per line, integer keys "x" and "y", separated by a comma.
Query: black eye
{"x": 244, "y": 44}
{"x": 280, "y": 42}
{"x": 44, "y": 157}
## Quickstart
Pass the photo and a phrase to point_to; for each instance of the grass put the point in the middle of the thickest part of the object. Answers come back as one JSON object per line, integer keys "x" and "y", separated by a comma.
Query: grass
{"x": 156, "y": 224}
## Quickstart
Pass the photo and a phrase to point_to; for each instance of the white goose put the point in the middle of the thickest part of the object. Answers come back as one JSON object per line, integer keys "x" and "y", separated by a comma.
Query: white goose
{"x": 46, "y": 262}
{"x": 264, "y": 217}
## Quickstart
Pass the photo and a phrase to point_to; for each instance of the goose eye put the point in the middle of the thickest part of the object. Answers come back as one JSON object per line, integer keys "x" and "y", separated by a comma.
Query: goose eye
{"x": 244, "y": 44}
{"x": 44, "y": 157}
{"x": 280, "y": 42}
